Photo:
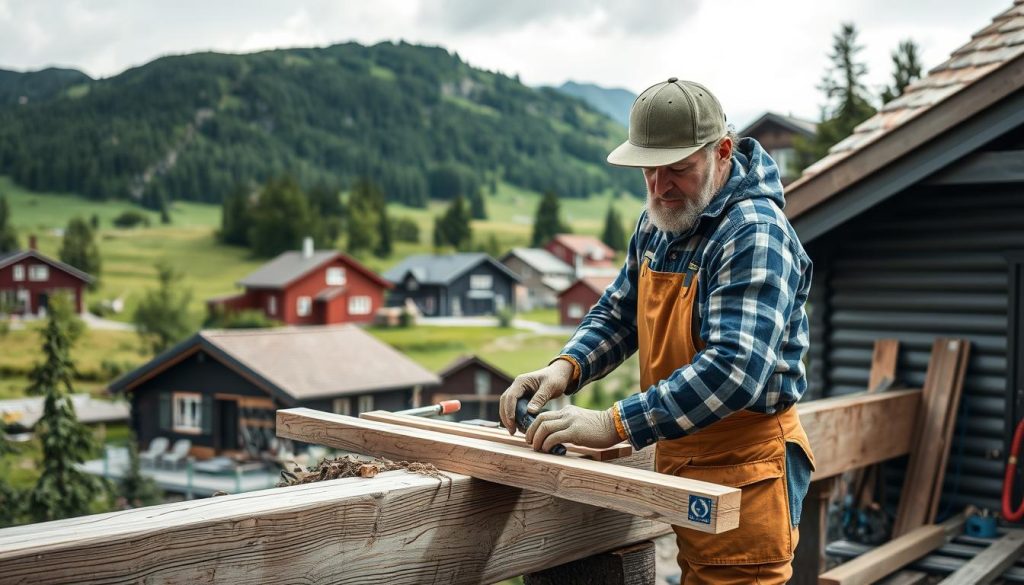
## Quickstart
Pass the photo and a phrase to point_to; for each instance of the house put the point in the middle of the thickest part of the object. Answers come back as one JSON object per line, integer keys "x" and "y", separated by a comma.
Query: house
{"x": 575, "y": 301}
{"x": 586, "y": 254}
{"x": 542, "y": 276}
{"x": 476, "y": 383}
{"x": 453, "y": 285}
{"x": 915, "y": 225}
{"x": 309, "y": 287}
{"x": 29, "y": 278}
{"x": 221, "y": 388}
{"x": 775, "y": 133}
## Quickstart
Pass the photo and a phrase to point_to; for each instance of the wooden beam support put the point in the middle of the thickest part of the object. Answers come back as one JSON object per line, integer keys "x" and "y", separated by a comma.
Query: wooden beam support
{"x": 847, "y": 432}
{"x": 893, "y": 555}
{"x": 643, "y": 493}
{"x": 496, "y": 435}
{"x": 632, "y": 565}
{"x": 398, "y": 527}
{"x": 990, "y": 563}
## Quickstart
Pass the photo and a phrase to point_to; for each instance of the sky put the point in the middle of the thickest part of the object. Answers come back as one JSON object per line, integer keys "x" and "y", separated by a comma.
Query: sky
{"x": 755, "y": 56}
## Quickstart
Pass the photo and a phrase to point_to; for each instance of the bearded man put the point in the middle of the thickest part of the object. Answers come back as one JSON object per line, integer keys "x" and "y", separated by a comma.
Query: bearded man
{"x": 712, "y": 295}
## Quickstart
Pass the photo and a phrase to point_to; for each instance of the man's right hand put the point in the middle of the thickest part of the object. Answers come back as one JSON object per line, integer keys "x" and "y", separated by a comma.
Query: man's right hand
{"x": 545, "y": 384}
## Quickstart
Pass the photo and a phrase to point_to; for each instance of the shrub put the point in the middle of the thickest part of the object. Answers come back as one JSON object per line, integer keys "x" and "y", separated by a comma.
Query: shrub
{"x": 131, "y": 218}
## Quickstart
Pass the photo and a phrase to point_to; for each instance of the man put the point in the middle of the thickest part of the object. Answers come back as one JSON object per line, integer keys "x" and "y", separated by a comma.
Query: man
{"x": 712, "y": 296}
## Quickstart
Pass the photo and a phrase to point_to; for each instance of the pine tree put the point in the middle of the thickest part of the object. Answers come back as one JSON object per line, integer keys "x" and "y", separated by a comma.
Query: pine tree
{"x": 161, "y": 317}
{"x": 137, "y": 489}
{"x": 453, "y": 228}
{"x": 363, "y": 226}
{"x": 63, "y": 490}
{"x": 384, "y": 246}
{"x": 477, "y": 206}
{"x": 906, "y": 67}
{"x": 281, "y": 218}
{"x": 10, "y": 500}
{"x": 8, "y": 235}
{"x": 234, "y": 218}
{"x": 614, "y": 235}
{"x": 78, "y": 248}
{"x": 848, "y": 102}
{"x": 548, "y": 222}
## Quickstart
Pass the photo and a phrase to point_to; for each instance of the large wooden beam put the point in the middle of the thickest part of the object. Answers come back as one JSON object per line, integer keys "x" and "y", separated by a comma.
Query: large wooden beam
{"x": 398, "y": 528}
{"x": 848, "y": 432}
{"x": 703, "y": 506}
{"x": 990, "y": 563}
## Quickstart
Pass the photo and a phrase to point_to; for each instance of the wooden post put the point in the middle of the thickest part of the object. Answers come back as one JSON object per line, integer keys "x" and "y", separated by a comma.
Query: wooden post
{"x": 632, "y": 565}
{"x": 809, "y": 561}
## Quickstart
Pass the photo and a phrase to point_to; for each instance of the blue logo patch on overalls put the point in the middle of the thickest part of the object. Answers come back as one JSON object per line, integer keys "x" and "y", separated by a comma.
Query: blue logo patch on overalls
{"x": 699, "y": 510}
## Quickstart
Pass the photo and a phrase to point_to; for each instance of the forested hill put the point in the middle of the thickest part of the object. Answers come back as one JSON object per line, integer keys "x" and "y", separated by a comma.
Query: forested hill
{"x": 408, "y": 117}
{"x": 34, "y": 86}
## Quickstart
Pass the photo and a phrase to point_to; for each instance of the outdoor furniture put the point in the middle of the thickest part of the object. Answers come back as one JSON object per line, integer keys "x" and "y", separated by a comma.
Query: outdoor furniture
{"x": 157, "y": 447}
{"x": 177, "y": 454}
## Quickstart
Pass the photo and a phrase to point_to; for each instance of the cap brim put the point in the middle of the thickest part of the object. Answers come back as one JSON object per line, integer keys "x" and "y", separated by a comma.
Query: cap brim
{"x": 631, "y": 155}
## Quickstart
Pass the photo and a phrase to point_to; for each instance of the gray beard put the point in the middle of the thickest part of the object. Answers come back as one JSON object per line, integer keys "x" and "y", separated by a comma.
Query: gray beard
{"x": 677, "y": 221}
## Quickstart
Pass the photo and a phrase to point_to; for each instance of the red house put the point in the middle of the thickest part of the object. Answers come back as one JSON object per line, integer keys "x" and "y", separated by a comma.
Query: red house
{"x": 309, "y": 287}
{"x": 586, "y": 254}
{"x": 28, "y": 279}
{"x": 575, "y": 301}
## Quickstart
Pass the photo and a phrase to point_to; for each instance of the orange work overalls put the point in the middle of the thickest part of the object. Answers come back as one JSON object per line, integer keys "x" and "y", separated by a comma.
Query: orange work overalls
{"x": 745, "y": 450}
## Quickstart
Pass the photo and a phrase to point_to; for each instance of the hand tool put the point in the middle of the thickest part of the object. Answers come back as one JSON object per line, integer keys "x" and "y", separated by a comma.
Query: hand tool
{"x": 443, "y": 407}
{"x": 524, "y": 419}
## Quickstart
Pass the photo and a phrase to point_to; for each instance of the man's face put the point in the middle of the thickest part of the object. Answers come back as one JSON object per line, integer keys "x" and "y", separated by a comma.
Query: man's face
{"x": 679, "y": 192}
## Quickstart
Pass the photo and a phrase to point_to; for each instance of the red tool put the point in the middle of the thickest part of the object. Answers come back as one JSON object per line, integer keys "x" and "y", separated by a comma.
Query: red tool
{"x": 1011, "y": 470}
{"x": 441, "y": 408}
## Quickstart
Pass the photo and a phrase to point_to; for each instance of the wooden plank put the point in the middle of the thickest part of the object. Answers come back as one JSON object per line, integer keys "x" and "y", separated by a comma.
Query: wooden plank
{"x": 632, "y": 565}
{"x": 932, "y": 433}
{"x": 809, "y": 559}
{"x": 948, "y": 428}
{"x": 497, "y": 435}
{"x": 847, "y": 432}
{"x": 883, "y": 365}
{"x": 398, "y": 528}
{"x": 990, "y": 563}
{"x": 893, "y": 555}
{"x": 906, "y": 578}
{"x": 645, "y": 493}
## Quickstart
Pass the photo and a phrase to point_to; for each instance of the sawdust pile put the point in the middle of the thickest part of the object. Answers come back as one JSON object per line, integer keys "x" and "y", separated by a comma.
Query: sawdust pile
{"x": 349, "y": 466}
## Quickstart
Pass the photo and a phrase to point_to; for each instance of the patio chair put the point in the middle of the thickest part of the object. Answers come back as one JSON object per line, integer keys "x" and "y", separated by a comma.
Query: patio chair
{"x": 177, "y": 454}
{"x": 157, "y": 447}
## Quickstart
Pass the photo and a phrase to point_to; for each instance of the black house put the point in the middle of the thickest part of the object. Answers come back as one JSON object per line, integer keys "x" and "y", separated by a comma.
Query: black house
{"x": 220, "y": 389}
{"x": 453, "y": 285}
{"x": 915, "y": 224}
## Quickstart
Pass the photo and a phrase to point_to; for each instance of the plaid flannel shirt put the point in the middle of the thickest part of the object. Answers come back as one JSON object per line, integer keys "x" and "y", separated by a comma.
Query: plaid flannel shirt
{"x": 754, "y": 276}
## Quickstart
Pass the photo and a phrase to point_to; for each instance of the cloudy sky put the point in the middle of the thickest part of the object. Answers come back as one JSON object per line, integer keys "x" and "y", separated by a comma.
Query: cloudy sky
{"x": 755, "y": 56}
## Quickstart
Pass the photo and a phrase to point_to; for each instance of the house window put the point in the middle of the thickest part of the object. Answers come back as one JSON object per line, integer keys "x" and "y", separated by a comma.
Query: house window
{"x": 785, "y": 159}
{"x": 19, "y": 272}
{"x": 366, "y": 403}
{"x": 481, "y": 281}
{"x": 188, "y": 412}
{"x": 303, "y": 306}
{"x": 359, "y": 305}
{"x": 335, "y": 276}
{"x": 343, "y": 406}
{"x": 575, "y": 310}
{"x": 482, "y": 382}
{"x": 271, "y": 305}
{"x": 38, "y": 272}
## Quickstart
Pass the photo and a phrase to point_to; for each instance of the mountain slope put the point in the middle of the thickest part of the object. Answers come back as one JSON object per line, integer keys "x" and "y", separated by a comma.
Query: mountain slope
{"x": 32, "y": 86}
{"x": 192, "y": 126}
{"x": 613, "y": 102}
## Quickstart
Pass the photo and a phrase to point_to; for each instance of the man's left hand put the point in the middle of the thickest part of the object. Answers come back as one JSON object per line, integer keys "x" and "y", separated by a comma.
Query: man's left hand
{"x": 572, "y": 424}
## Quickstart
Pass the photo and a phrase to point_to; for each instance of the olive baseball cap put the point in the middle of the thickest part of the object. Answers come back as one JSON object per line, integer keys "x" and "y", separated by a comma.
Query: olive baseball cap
{"x": 668, "y": 122}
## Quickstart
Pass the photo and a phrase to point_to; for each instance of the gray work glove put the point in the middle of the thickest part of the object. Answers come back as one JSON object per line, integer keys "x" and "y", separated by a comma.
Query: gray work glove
{"x": 546, "y": 383}
{"x": 572, "y": 424}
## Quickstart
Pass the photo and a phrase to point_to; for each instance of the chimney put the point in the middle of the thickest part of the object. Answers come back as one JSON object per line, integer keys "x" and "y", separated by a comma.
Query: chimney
{"x": 32, "y": 242}
{"x": 307, "y": 247}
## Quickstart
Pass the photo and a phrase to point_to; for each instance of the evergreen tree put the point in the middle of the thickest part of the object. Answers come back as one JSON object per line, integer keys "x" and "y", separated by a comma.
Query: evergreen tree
{"x": 281, "y": 218}
{"x": 848, "y": 103}
{"x": 234, "y": 218}
{"x": 548, "y": 222}
{"x": 10, "y": 500}
{"x": 364, "y": 230}
{"x": 63, "y": 490}
{"x": 906, "y": 68}
{"x": 8, "y": 235}
{"x": 452, "y": 228}
{"x": 384, "y": 247}
{"x": 78, "y": 248}
{"x": 614, "y": 235}
{"x": 161, "y": 317}
{"x": 137, "y": 489}
{"x": 94, "y": 222}
{"x": 477, "y": 207}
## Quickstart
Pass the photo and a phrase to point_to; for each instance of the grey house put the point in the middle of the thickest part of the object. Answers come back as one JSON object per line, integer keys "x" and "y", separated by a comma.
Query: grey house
{"x": 542, "y": 274}
{"x": 453, "y": 285}
{"x": 915, "y": 224}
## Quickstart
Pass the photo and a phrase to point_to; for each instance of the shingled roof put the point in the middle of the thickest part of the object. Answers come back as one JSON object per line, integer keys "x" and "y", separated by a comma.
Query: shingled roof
{"x": 297, "y": 363}
{"x": 19, "y": 255}
{"x": 291, "y": 265}
{"x": 976, "y": 76}
{"x": 442, "y": 269}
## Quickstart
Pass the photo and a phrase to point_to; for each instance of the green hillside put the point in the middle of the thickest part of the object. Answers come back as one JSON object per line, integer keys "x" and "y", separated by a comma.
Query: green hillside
{"x": 190, "y": 127}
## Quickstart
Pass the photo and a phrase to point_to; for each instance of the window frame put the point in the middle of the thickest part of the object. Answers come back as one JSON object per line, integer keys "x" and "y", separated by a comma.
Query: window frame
{"x": 303, "y": 306}
{"x": 353, "y": 309}
{"x": 181, "y": 420}
{"x": 341, "y": 278}
{"x": 476, "y": 279}
{"x": 34, "y": 272}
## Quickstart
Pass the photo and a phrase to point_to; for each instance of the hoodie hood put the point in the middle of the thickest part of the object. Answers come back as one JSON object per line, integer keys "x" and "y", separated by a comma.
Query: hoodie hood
{"x": 754, "y": 174}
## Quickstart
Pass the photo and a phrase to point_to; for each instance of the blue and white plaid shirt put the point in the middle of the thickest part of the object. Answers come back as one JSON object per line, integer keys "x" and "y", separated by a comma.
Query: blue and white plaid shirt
{"x": 754, "y": 277}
